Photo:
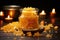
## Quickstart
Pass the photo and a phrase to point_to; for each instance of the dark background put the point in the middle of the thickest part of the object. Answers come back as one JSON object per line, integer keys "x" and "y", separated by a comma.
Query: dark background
{"x": 46, "y": 5}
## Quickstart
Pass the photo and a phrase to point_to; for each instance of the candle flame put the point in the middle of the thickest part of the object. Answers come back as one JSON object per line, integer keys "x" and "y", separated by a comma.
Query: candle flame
{"x": 1, "y": 13}
{"x": 43, "y": 13}
{"x": 8, "y": 16}
{"x": 53, "y": 10}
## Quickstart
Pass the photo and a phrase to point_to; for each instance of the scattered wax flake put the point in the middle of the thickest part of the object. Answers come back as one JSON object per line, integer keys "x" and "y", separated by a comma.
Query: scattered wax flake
{"x": 18, "y": 33}
{"x": 56, "y": 27}
{"x": 50, "y": 25}
{"x": 37, "y": 34}
{"x": 29, "y": 34}
{"x": 48, "y": 35}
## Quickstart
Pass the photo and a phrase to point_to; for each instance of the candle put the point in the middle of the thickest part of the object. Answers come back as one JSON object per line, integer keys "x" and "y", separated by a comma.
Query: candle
{"x": 1, "y": 22}
{"x": 8, "y": 18}
{"x": 43, "y": 13}
{"x": 1, "y": 13}
{"x": 42, "y": 16}
{"x": 52, "y": 14}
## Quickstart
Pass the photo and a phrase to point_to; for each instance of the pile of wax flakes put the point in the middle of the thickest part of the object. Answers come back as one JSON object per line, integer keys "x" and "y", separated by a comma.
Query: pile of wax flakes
{"x": 17, "y": 31}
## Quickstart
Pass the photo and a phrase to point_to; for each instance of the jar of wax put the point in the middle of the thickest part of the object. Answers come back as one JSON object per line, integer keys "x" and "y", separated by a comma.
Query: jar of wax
{"x": 29, "y": 18}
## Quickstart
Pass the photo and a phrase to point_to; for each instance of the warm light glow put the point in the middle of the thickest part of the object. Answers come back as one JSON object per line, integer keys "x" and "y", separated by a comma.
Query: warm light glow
{"x": 43, "y": 13}
{"x": 1, "y": 13}
{"x": 11, "y": 12}
{"x": 53, "y": 20}
{"x": 8, "y": 18}
{"x": 53, "y": 10}
{"x": 22, "y": 16}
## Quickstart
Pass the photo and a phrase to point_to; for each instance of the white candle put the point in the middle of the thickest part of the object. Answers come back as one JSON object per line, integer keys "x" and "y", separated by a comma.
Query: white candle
{"x": 8, "y": 18}
{"x": 43, "y": 13}
{"x": 1, "y": 13}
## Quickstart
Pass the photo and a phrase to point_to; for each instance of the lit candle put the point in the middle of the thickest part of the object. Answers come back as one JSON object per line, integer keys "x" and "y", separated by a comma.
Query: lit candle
{"x": 52, "y": 14}
{"x": 8, "y": 18}
{"x": 42, "y": 16}
{"x": 43, "y": 13}
{"x": 1, "y": 13}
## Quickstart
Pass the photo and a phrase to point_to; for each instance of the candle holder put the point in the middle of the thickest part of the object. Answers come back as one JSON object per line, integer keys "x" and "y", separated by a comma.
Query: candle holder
{"x": 13, "y": 11}
{"x": 8, "y": 21}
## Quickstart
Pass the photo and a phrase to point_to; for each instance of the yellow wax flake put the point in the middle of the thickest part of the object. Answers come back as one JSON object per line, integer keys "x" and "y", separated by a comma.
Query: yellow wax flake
{"x": 36, "y": 34}
{"x": 47, "y": 27}
{"x": 29, "y": 34}
{"x": 50, "y": 25}
{"x": 56, "y": 27}
{"x": 18, "y": 33}
{"x": 48, "y": 35}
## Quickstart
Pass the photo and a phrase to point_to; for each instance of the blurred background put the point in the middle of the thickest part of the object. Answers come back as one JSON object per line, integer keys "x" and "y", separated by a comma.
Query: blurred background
{"x": 46, "y": 5}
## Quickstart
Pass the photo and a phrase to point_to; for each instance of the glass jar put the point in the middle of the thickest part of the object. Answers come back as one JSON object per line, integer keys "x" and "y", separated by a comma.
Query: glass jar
{"x": 29, "y": 18}
{"x": 12, "y": 11}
